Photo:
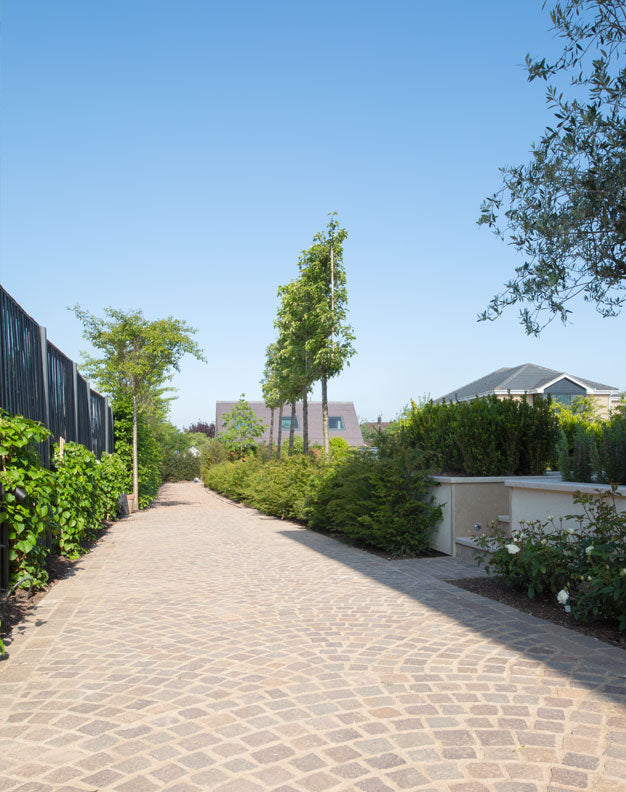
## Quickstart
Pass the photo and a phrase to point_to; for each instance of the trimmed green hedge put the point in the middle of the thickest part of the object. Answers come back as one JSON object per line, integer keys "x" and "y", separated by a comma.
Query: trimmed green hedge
{"x": 380, "y": 500}
{"x": 483, "y": 437}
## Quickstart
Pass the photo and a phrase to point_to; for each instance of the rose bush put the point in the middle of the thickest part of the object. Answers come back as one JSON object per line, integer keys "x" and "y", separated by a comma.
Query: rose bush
{"x": 582, "y": 561}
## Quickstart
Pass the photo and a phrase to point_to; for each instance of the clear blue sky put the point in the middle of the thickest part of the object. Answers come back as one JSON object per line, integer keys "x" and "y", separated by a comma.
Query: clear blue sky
{"x": 177, "y": 155}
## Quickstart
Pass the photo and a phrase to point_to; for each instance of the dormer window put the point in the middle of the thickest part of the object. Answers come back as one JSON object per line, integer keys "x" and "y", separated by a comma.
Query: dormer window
{"x": 335, "y": 422}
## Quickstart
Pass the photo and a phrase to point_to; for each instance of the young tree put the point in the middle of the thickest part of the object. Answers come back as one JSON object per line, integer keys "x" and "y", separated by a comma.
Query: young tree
{"x": 137, "y": 357}
{"x": 323, "y": 275}
{"x": 295, "y": 373}
{"x": 271, "y": 393}
{"x": 241, "y": 428}
{"x": 565, "y": 210}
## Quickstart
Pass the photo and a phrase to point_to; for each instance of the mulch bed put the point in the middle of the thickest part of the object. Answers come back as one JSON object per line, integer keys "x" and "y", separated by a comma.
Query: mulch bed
{"x": 547, "y": 609}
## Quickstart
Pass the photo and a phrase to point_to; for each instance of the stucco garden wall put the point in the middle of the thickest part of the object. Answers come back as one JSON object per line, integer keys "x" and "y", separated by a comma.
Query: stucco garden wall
{"x": 467, "y": 501}
{"x": 548, "y": 496}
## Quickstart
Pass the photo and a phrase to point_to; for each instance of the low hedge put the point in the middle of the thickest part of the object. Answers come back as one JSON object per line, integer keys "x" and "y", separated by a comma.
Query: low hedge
{"x": 381, "y": 500}
{"x": 63, "y": 508}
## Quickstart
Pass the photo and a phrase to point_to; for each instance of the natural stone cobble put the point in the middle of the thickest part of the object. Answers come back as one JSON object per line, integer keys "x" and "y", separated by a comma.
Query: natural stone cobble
{"x": 202, "y": 646}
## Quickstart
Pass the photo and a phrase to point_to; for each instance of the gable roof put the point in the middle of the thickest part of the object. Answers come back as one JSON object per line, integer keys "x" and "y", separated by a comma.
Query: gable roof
{"x": 527, "y": 378}
{"x": 351, "y": 431}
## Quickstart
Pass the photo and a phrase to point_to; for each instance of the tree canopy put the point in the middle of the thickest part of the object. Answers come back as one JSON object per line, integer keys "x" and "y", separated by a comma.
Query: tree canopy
{"x": 565, "y": 210}
{"x": 137, "y": 357}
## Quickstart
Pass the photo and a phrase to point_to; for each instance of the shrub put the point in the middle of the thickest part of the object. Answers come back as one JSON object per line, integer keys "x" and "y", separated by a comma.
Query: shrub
{"x": 582, "y": 561}
{"x": 31, "y": 523}
{"x": 483, "y": 437}
{"x": 382, "y": 501}
{"x": 379, "y": 500}
{"x": 111, "y": 484}
{"x": 181, "y": 466}
{"x": 613, "y": 450}
{"x": 214, "y": 453}
{"x": 86, "y": 493}
{"x": 231, "y": 478}
{"x": 338, "y": 448}
{"x": 593, "y": 451}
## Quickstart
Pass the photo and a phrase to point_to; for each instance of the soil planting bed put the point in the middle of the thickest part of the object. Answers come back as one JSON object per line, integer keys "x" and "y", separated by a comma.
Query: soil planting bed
{"x": 497, "y": 589}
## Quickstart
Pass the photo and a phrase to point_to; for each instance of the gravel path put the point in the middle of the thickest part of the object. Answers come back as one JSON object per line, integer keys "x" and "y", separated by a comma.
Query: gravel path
{"x": 202, "y": 646}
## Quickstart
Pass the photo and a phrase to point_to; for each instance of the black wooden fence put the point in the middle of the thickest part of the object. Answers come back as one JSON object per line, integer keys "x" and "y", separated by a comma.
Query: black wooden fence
{"x": 39, "y": 382}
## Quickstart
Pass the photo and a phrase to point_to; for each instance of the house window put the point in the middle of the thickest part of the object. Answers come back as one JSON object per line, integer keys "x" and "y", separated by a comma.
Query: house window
{"x": 564, "y": 398}
{"x": 286, "y": 423}
{"x": 335, "y": 422}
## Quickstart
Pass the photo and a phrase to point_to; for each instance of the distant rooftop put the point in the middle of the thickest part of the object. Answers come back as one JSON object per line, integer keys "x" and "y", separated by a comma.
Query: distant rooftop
{"x": 527, "y": 378}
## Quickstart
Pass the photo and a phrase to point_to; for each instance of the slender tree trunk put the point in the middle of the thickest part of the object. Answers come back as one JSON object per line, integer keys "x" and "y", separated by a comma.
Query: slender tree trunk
{"x": 305, "y": 421}
{"x": 269, "y": 455}
{"x": 292, "y": 427}
{"x": 280, "y": 430}
{"x": 135, "y": 464}
{"x": 325, "y": 411}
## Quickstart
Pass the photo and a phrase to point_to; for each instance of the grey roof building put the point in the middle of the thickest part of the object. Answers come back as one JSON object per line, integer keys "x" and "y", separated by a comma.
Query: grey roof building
{"x": 342, "y": 420}
{"x": 529, "y": 380}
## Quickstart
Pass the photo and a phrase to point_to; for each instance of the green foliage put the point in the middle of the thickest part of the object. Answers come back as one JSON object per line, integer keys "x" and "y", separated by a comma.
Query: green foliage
{"x": 241, "y": 428}
{"x": 149, "y": 451}
{"x": 339, "y": 448}
{"x": 564, "y": 210}
{"x": 214, "y": 453}
{"x": 137, "y": 358}
{"x": 582, "y": 561}
{"x": 593, "y": 450}
{"x": 31, "y": 521}
{"x": 76, "y": 498}
{"x": 613, "y": 449}
{"x": 381, "y": 501}
{"x": 86, "y": 494}
{"x": 112, "y": 477}
{"x": 482, "y": 437}
{"x": 232, "y": 479}
{"x": 62, "y": 508}
{"x": 181, "y": 466}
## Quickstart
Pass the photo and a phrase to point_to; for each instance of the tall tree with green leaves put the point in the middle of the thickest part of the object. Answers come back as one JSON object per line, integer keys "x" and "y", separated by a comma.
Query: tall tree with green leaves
{"x": 138, "y": 357}
{"x": 297, "y": 373}
{"x": 330, "y": 342}
{"x": 565, "y": 211}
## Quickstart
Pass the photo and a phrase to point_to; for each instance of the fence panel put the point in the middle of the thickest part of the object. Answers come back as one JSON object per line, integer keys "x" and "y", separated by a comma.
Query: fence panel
{"x": 21, "y": 375}
{"x": 62, "y": 404}
{"x": 98, "y": 425}
{"x": 41, "y": 383}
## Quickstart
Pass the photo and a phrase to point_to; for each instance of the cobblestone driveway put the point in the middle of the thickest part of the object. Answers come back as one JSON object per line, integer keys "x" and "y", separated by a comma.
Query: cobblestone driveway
{"x": 202, "y": 646}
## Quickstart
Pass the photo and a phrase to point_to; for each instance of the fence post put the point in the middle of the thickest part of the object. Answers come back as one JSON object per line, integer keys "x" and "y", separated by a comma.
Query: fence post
{"x": 75, "y": 387}
{"x": 106, "y": 425}
{"x": 44, "y": 375}
{"x": 43, "y": 338}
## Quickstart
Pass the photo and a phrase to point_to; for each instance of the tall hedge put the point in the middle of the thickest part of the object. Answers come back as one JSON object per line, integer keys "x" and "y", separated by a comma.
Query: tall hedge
{"x": 484, "y": 437}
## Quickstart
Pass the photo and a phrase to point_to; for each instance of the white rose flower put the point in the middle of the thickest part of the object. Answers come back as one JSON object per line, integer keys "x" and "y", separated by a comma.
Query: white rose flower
{"x": 562, "y": 597}
{"x": 589, "y": 550}
{"x": 512, "y": 548}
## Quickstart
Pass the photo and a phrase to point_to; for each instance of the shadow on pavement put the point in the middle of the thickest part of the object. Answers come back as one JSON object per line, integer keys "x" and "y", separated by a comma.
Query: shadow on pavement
{"x": 588, "y": 662}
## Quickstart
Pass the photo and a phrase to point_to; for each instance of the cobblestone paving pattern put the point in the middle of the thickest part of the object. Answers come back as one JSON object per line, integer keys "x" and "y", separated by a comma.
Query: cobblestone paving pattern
{"x": 202, "y": 646}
